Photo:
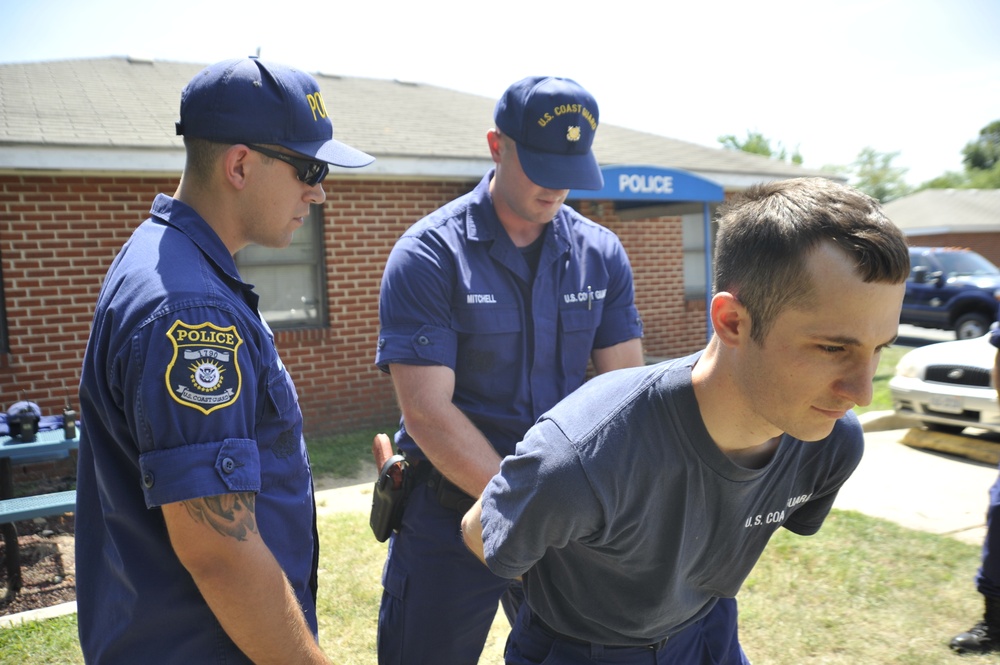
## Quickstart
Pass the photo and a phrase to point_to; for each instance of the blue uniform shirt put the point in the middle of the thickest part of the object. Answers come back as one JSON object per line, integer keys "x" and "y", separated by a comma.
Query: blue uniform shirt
{"x": 182, "y": 396}
{"x": 457, "y": 292}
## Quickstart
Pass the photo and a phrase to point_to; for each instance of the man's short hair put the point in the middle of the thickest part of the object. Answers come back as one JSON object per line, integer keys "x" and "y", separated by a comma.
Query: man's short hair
{"x": 202, "y": 156}
{"x": 767, "y": 232}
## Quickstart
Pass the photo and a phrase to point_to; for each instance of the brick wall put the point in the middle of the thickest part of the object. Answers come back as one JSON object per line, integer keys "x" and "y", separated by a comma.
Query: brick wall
{"x": 58, "y": 234}
{"x": 987, "y": 244}
{"x": 339, "y": 387}
{"x": 673, "y": 326}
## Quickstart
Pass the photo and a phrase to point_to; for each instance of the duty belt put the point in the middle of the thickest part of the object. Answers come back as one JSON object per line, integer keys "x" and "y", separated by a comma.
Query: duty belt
{"x": 551, "y": 632}
{"x": 448, "y": 494}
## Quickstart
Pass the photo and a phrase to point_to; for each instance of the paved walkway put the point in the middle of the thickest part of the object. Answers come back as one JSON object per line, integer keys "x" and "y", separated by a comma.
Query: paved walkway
{"x": 355, "y": 497}
{"x": 919, "y": 489}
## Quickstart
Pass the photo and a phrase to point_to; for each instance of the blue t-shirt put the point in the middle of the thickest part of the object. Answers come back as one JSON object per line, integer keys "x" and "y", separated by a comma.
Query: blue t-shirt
{"x": 627, "y": 521}
{"x": 182, "y": 396}
{"x": 457, "y": 292}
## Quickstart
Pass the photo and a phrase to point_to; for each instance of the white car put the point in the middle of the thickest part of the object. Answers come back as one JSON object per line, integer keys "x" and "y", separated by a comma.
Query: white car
{"x": 947, "y": 386}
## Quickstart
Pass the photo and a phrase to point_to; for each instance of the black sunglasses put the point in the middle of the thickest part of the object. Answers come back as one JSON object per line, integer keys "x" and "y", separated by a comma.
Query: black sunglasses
{"x": 308, "y": 171}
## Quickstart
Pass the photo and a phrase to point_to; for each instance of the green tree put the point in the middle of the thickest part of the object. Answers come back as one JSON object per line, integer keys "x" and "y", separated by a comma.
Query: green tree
{"x": 947, "y": 180}
{"x": 874, "y": 174}
{"x": 981, "y": 158}
{"x": 984, "y": 178}
{"x": 758, "y": 144}
{"x": 983, "y": 153}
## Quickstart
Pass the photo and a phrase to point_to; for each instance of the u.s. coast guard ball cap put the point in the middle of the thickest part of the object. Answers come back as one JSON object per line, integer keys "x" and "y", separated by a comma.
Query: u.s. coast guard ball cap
{"x": 248, "y": 100}
{"x": 553, "y": 122}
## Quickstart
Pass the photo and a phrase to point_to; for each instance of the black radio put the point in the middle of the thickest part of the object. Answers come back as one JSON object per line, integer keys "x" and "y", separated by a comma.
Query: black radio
{"x": 22, "y": 421}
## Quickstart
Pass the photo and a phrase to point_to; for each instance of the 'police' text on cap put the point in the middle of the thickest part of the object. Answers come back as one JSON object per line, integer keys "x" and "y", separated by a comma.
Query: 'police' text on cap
{"x": 250, "y": 101}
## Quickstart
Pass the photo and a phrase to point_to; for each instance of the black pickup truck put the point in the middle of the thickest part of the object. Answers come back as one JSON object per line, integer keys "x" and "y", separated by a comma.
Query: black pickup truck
{"x": 951, "y": 288}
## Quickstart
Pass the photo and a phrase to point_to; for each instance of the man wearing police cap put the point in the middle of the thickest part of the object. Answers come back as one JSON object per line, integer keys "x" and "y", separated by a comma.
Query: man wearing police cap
{"x": 196, "y": 537}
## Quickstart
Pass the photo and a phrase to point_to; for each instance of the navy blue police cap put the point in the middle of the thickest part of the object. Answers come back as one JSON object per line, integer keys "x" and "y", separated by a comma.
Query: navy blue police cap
{"x": 247, "y": 100}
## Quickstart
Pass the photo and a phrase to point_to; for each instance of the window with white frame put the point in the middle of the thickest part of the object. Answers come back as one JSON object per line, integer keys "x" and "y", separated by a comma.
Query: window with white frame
{"x": 694, "y": 253}
{"x": 290, "y": 280}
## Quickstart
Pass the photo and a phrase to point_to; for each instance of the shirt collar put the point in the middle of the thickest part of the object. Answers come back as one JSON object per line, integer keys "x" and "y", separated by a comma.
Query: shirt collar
{"x": 483, "y": 224}
{"x": 185, "y": 219}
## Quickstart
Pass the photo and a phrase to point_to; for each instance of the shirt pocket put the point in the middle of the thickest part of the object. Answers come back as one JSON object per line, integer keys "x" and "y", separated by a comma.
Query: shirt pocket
{"x": 577, "y": 330}
{"x": 279, "y": 435}
{"x": 491, "y": 350}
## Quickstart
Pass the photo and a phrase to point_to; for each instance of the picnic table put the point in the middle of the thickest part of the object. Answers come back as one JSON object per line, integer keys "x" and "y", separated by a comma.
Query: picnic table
{"x": 48, "y": 445}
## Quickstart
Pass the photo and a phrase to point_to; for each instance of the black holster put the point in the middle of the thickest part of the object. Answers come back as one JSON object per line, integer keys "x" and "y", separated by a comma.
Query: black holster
{"x": 396, "y": 480}
{"x": 391, "y": 489}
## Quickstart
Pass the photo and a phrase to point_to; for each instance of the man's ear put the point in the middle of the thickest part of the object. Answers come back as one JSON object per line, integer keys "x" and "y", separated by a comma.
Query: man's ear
{"x": 730, "y": 319}
{"x": 236, "y": 165}
{"x": 493, "y": 141}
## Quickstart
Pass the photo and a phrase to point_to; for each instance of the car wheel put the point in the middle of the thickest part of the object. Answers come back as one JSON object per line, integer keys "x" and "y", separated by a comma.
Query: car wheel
{"x": 944, "y": 429}
{"x": 971, "y": 325}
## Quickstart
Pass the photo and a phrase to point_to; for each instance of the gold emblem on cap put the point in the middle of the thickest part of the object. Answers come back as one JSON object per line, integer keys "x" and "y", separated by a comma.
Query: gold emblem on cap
{"x": 573, "y": 134}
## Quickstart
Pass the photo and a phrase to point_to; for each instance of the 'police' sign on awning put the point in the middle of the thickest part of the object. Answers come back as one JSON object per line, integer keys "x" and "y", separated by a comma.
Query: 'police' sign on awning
{"x": 650, "y": 183}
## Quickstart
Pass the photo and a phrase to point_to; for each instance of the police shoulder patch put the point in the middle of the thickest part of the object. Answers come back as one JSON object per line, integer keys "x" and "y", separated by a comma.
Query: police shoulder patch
{"x": 204, "y": 372}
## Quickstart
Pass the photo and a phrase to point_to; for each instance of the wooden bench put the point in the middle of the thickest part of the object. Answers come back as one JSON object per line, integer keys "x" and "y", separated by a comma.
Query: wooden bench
{"x": 26, "y": 508}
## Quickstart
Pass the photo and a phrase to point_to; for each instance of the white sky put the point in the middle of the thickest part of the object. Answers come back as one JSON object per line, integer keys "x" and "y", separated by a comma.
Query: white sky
{"x": 829, "y": 78}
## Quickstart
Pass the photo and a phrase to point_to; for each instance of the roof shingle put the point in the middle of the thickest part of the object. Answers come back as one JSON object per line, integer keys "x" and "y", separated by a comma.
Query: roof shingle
{"x": 126, "y": 103}
{"x": 947, "y": 211}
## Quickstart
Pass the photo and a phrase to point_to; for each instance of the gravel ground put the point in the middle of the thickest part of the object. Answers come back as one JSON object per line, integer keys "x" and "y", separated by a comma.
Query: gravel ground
{"x": 47, "y": 565}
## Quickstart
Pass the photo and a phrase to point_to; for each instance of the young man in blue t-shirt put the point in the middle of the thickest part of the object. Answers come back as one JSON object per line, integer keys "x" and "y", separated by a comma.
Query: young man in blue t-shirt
{"x": 635, "y": 508}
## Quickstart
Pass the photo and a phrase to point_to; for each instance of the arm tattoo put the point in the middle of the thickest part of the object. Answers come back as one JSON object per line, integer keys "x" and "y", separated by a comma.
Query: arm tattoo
{"x": 230, "y": 514}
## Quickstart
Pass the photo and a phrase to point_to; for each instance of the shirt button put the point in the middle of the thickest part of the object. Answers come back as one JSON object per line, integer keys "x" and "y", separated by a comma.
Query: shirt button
{"x": 423, "y": 340}
{"x": 147, "y": 479}
{"x": 381, "y": 343}
{"x": 228, "y": 465}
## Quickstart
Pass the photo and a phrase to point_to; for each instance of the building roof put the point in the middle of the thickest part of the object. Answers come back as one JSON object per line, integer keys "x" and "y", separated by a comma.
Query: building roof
{"x": 118, "y": 114}
{"x": 935, "y": 211}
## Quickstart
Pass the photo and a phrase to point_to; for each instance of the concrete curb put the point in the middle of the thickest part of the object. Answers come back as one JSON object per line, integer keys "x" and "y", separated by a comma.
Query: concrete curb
{"x": 37, "y": 615}
{"x": 881, "y": 421}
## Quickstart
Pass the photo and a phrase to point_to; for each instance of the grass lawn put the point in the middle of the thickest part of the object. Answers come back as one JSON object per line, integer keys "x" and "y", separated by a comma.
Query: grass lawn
{"x": 862, "y": 591}
{"x": 343, "y": 455}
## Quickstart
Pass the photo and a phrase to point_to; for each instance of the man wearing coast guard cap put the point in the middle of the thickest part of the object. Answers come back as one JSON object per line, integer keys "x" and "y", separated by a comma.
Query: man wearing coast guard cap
{"x": 490, "y": 309}
{"x": 196, "y": 520}
{"x": 552, "y": 123}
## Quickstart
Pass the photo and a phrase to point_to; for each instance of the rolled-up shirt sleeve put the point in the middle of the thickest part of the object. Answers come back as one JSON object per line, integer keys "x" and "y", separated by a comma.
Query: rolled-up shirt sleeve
{"x": 415, "y": 307}
{"x": 621, "y": 320}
